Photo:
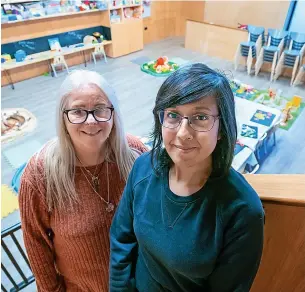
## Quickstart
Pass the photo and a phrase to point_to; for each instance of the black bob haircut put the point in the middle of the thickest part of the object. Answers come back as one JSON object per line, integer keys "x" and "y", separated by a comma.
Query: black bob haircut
{"x": 186, "y": 85}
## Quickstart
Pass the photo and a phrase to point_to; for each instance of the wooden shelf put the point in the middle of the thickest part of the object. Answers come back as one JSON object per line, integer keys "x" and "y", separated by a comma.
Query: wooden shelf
{"x": 123, "y": 6}
{"x": 126, "y": 36}
{"x": 17, "y": 1}
{"x": 52, "y": 16}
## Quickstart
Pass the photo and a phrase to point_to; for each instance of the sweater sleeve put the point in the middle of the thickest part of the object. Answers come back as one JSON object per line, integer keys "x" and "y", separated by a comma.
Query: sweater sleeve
{"x": 35, "y": 225}
{"x": 123, "y": 244}
{"x": 134, "y": 142}
{"x": 239, "y": 260}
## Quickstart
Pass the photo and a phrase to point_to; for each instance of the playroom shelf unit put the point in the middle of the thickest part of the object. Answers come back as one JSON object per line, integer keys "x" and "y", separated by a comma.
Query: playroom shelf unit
{"x": 126, "y": 36}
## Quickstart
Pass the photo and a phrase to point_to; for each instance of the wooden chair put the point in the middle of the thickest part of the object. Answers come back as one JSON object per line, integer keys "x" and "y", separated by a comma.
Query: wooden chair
{"x": 59, "y": 60}
{"x": 272, "y": 51}
{"x": 293, "y": 56}
{"x": 251, "y": 48}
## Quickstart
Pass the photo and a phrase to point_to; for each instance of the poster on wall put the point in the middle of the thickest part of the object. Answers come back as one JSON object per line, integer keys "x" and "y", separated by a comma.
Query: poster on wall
{"x": 146, "y": 8}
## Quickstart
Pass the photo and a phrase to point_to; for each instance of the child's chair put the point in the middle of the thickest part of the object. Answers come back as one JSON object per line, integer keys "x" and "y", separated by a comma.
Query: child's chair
{"x": 99, "y": 50}
{"x": 293, "y": 56}
{"x": 272, "y": 51}
{"x": 251, "y": 48}
{"x": 59, "y": 60}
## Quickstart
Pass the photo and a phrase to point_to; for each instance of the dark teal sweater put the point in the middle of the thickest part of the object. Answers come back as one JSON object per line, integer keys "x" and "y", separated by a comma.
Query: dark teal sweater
{"x": 209, "y": 241}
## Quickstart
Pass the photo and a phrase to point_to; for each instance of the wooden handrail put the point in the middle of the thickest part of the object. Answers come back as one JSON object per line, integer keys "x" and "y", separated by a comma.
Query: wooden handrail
{"x": 283, "y": 188}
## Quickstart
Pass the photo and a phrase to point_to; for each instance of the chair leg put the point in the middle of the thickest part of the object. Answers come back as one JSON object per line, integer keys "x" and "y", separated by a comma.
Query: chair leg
{"x": 279, "y": 67}
{"x": 249, "y": 61}
{"x": 54, "y": 70}
{"x": 295, "y": 66}
{"x": 299, "y": 77}
{"x": 265, "y": 142}
{"x": 257, "y": 155}
{"x": 67, "y": 68}
{"x": 105, "y": 58}
{"x": 273, "y": 66}
{"x": 259, "y": 62}
{"x": 94, "y": 60}
{"x": 237, "y": 57}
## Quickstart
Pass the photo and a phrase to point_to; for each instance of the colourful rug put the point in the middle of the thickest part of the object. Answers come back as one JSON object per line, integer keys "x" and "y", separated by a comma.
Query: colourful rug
{"x": 290, "y": 107}
{"x": 9, "y": 201}
{"x": 16, "y": 122}
{"x": 161, "y": 67}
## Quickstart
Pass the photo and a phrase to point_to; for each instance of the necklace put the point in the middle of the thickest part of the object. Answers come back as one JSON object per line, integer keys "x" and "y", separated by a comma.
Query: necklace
{"x": 94, "y": 177}
{"x": 110, "y": 206}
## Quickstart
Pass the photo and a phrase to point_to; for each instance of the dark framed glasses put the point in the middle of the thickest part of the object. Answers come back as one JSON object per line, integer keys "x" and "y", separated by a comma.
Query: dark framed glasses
{"x": 79, "y": 116}
{"x": 198, "y": 122}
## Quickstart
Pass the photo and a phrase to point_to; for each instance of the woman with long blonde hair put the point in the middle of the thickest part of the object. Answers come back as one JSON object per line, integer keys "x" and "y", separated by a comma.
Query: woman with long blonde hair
{"x": 70, "y": 189}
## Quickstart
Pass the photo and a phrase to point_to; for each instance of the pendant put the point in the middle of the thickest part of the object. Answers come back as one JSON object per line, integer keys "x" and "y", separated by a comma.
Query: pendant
{"x": 96, "y": 183}
{"x": 110, "y": 207}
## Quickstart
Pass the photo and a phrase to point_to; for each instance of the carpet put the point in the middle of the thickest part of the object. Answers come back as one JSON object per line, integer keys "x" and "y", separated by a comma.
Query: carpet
{"x": 271, "y": 98}
{"x": 9, "y": 201}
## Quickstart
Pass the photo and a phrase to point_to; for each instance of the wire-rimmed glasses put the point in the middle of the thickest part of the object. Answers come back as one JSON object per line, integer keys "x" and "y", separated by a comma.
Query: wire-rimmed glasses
{"x": 199, "y": 122}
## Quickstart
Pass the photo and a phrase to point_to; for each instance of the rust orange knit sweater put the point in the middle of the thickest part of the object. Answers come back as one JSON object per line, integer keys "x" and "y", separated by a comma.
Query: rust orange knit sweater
{"x": 77, "y": 257}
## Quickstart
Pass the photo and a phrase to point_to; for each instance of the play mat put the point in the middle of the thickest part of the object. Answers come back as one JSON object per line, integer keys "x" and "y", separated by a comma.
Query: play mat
{"x": 9, "y": 201}
{"x": 16, "y": 122}
{"x": 161, "y": 67}
{"x": 291, "y": 107}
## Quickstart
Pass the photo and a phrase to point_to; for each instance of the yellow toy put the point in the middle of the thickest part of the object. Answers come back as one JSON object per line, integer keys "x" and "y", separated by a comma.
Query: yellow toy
{"x": 296, "y": 101}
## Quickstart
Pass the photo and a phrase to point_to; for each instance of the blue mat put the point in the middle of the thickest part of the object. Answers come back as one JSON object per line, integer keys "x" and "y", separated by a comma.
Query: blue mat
{"x": 16, "y": 156}
{"x": 15, "y": 184}
{"x": 140, "y": 60}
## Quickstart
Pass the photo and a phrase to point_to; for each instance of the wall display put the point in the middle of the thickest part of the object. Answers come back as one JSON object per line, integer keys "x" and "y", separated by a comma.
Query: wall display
{"x": 65, "y": 39}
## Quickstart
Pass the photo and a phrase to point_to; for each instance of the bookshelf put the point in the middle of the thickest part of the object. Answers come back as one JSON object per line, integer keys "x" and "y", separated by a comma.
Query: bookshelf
{"x": 127, "y": 26}
{"x": 126, "y": 35}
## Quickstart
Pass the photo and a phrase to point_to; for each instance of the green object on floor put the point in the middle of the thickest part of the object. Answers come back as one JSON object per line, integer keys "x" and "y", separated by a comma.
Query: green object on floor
{"x": 46, "y": 74}
{"x": 149, "y": 69}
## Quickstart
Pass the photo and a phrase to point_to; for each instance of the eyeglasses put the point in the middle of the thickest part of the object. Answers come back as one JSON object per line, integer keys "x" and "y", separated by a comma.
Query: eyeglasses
{"x": 79, "y": 116}
{"x": 198, "y": 122}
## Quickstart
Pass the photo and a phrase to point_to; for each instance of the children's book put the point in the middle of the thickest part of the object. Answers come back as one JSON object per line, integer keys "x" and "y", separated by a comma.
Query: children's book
{"x": 249, "y": 131}
{"x": 54, "y": 44}
{"x": 263, "y": 118}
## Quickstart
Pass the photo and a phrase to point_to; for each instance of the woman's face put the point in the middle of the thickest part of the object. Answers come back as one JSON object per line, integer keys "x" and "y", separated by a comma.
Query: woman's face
{"x": 91, "y": 135}
{"x": 188, "y": 147}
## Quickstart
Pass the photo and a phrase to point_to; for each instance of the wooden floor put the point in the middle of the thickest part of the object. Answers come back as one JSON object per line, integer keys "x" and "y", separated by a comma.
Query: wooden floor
{"x": 137, "y": 91}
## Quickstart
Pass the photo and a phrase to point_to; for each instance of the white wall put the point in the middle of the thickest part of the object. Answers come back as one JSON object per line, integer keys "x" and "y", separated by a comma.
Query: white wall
{"x": 298, "y": 19}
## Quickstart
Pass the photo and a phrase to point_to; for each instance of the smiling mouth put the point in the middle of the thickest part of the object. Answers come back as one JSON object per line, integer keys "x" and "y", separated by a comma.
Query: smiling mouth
{"x": 184, "y": 148}
{"x": 92, "y": 134}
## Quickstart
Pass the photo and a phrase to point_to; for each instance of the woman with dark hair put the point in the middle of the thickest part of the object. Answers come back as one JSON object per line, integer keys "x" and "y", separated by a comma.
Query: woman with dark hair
{"x": 187, "y": 221}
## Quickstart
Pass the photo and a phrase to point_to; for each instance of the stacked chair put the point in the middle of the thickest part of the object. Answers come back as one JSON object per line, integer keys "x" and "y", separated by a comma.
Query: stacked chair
{"x": 272, "y": 51}
{"x": 292, "y": 57}
{"x": 251, "y": 48}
